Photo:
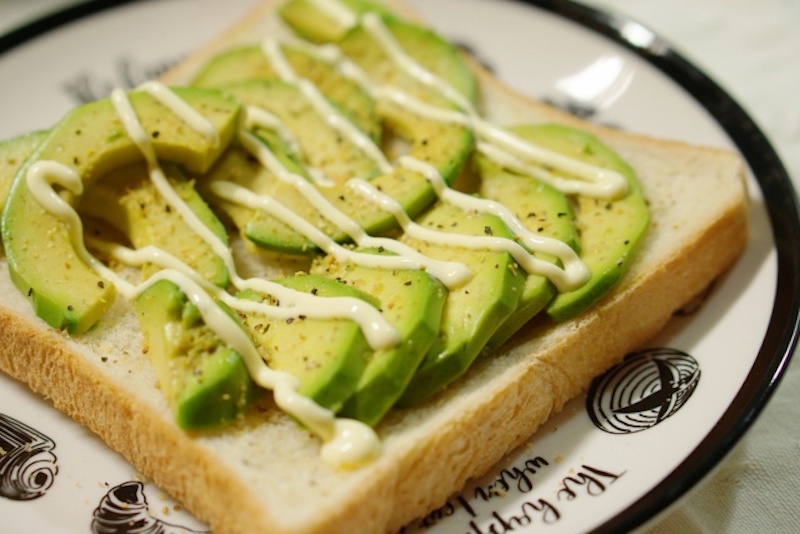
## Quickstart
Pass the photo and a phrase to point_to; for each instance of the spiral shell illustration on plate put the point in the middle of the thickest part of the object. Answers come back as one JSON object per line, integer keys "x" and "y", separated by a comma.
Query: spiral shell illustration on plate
{"x": 27, "y": 463}
{"x": 643, "y": 390}
{"x": 124, "y": 510}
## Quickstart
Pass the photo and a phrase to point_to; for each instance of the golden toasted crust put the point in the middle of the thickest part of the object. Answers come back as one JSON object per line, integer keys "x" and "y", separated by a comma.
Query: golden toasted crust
{"x": 265, "y": 474}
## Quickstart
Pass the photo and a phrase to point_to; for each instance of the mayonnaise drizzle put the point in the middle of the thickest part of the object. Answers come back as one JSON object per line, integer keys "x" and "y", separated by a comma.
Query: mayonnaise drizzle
{"x": 573, "y": 273}
{"x": 377, "y": 330}
{"x": 337, "y": 11}
{"x": 346, "y": 442}
{"x": 333, "y": 118}
{"x": 261, "y": 117}
{"x": 451, "y": 274}
{"x": 495, "y": 142}
{"x": 592, "y": 180}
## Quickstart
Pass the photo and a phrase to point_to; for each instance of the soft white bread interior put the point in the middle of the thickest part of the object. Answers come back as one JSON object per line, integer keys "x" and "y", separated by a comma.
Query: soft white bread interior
{"x": 266, "y": 475}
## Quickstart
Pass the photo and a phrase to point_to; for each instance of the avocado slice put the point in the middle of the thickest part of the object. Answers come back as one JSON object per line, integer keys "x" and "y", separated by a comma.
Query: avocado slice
{"x": 474, "y": 311}
{"x": 127, "y": 199}
{"x": 446, "y": 146}
{"x": 412, "y": 301}
{"x": 252, "y": 63}
{"x": 610, "y": 230}
{"x": 13, "y": 154}
{"x": 317, "y": 26}
{"x": 237, "y": 165}
{"x": 324, "y": 149}
{"x": 327, "y": 356}
{"x": 410, "y": 189}
{"x": 206, "y": 383}
{"x": 91, "y": 141}
{"x": 426, "y": 47}
{"x": 541, "y": 209}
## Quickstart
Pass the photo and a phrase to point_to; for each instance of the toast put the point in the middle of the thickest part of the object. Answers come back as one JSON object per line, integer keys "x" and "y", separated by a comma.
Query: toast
{"x": 265, "y": 473}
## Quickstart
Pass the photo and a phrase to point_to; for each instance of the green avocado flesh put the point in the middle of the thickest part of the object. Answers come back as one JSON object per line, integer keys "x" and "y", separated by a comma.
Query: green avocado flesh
{"x": 327, "y": 356}
{"x": 541, "y": 209}
{"x": 445, "y": 146}
{"x": 66, "y": 292}
{"x": 251, "y": 63}
{"x": 317, "y": 27}
{"x": 205, "y": 382}
{"x": 13, "y": 154}
{"x": 442, "y": 330}
{"x": 473, "y": 311}
{"x": 412, "y": 302}
{"x": 128, "y": 201}
{"x": 610, "y": 230}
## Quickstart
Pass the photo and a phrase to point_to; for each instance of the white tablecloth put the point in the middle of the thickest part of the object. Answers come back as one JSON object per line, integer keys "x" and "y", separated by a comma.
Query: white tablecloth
{"x": 752, "y": 49}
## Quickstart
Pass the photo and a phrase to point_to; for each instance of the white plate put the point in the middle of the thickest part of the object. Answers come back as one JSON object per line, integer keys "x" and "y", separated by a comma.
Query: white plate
{"x": 595, "y": 466}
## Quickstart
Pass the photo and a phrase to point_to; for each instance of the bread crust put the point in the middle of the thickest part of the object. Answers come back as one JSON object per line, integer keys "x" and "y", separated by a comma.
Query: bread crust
{"x": 265, "y": 474}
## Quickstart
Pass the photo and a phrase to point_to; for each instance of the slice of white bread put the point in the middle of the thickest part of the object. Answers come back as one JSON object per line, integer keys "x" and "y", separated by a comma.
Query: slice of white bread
{"x": 266, "y": 474}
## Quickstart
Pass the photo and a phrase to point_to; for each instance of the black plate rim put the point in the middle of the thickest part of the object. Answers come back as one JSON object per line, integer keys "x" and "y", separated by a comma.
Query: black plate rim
{"x": 781, "y": 203}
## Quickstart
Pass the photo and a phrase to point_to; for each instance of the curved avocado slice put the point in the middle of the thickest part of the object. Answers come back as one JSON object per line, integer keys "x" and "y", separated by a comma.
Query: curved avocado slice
{"x": 251, "y": 63}
{"x": 323, "y": 148}
{"x": 128, "y": 200}
{"x": 409, "y": 188}
{"x": 446, "y": 146}
{"x": 541, "y": 209}
{"x": 14, "y": 153}
{"x": 474, "y": 311}
{"x": 238, "y": 166}
{"x": 610, "y": 231}
{"x": 91, "y": 141}
{"x": 205, "y": 382}
{"x": 317, "y": 26}
{"x": 327, "y": 356}
{"x": 426, "y": 47}
{"x": 412, "y": 302}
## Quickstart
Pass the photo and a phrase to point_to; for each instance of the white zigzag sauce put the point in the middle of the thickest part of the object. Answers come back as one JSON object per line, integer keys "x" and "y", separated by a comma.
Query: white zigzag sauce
{"x": 346, "y": 442}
